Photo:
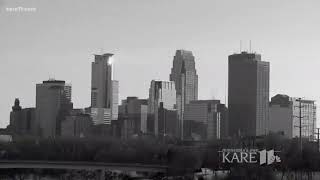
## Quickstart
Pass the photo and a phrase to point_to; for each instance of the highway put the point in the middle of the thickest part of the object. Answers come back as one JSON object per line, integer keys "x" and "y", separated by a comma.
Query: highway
{"x": 100, "y": 167}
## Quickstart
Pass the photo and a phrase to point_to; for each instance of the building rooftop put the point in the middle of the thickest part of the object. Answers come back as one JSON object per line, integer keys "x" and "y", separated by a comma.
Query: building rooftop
{"x": 53, "y": 81}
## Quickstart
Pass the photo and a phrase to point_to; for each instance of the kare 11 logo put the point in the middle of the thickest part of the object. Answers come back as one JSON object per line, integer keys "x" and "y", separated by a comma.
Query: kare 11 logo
{"x": 250, "y": 156}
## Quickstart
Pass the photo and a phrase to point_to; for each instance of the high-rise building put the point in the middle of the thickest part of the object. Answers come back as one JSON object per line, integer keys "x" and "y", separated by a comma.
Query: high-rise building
{"x": 22, "y": 120}
{"x": 133, "y": 113}
{"x": 76, "y": 124}
{"x": 161, "y": 94}
{"x": 53, "y": 104}
{"x": 248, "y": 96}
{"x": 202, "y": 120}
{"x": 284, "y": 116}
{"x": 104, "y": 91}
{"x": 184, "y": 74}
{"x": 101, "y": 81}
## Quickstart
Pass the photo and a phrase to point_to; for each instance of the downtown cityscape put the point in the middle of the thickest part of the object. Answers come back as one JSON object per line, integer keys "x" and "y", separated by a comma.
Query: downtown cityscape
{"x": 172, "y": 114}
{"x": 159, "y": 90}
{"x": 172, "y": 108}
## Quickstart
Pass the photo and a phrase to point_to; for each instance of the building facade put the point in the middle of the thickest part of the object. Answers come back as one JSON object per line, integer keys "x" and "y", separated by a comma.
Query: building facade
{"x": 104, "y": 91}
{"x": 202, "y": 120}
{"x": 184, "y": 74}
{"x": 224, "y": 121}
{"x": 308, "y": 120}
{"x": 161, "y": 94}
{"x": 53, "y": 104}
{"x": 133, "y": 113}
{"x": 248, "y": 94}
{"x": 284, "y": 117}
{"x": 76, "y": 124}
{"x": 22, "y": 120}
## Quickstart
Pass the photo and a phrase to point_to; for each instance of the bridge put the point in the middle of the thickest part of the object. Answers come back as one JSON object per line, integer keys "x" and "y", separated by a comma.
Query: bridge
{"x": 99, "y": 167}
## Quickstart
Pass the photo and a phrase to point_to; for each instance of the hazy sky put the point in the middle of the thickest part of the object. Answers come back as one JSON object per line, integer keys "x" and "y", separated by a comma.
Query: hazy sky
{"x": 59, "y": 38}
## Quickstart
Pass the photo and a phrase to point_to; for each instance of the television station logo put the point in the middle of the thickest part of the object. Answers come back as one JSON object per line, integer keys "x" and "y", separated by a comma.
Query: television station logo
{"x": 250, "y": 156}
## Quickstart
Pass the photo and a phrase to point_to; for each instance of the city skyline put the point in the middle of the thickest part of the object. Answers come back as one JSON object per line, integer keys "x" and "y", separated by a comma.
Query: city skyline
{"x": 18, "y": 59}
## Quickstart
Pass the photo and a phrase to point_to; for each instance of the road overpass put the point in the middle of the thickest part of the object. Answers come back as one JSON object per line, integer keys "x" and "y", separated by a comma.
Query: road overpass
{"x": 99, "y": 167}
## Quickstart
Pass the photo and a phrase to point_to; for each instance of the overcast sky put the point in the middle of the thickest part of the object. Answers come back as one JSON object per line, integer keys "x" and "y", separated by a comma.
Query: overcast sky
{"x": 59, "y": 38}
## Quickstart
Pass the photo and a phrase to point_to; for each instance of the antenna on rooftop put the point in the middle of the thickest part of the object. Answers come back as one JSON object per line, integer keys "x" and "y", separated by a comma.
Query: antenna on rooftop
{"x": 51, "y": 78}
{"x": 240, "y": 46}
{"x": 250, "y": 46}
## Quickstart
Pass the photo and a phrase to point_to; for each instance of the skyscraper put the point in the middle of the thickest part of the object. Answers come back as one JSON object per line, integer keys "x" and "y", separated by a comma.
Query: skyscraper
{"x": 53, "y": 103}
{"x": 104, "y": 91}
{"x": 184, "y": 74}
{"x": 248, "y": 95}
{"x": 161, "y": 94}
{"x": 101, "y": 81}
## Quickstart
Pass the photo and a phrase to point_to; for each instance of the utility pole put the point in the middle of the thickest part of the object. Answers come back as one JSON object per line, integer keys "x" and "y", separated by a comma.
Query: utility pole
{"x": 300, "y": 124}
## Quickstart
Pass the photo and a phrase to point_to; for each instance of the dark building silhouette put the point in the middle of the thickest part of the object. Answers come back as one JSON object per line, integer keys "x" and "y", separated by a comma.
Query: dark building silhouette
{"x": 77, "y": 124}
{"x": 133, "y": 113}
{"x": 53, "y": 104}
{"x": 168, "y": 122}
{"x": 22, "y": 120}
{"x": 248, "y": 94}
{"x": 202, "y": 120}
{"x": 162, "y": 95}
{"x": 184, "y": 74}
{"x": 224, "y": 121}
{"x": 284, "y": 113}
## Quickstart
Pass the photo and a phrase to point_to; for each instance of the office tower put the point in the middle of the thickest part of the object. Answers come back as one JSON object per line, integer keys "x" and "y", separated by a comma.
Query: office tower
{"x": 53, "y": 104}
{"x": 284, "y": 113}
{"x": 161, "y": 94}
{"x": 248, "y": 95}
{"x": 132, "y": 119}
{"x": 184, "y": 74}
{"x": 101, "y": 81}
{"x": 202, "y": 120}
{"x": 104, "y": 91}
{"x": 22, "y": 120}
{"x": 77, "y": 124}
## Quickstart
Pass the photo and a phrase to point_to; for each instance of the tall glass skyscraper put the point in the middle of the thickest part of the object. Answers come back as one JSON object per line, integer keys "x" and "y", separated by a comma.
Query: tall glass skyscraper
{"x": 101, "y": 81}
{"x": 248, "y": 95}
{"x": 104, "y": 91}
{"x": 184, "y": 74}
